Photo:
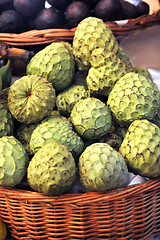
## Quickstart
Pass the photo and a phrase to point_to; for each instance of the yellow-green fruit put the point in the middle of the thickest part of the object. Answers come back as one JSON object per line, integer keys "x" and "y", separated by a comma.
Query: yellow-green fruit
{"x": 102, "y": 168}
{"x": 141, "y": 149}
{"x": 144, "y": 71}
{"x": 54, "y": 62}
{"x": 91, "y": 33}
{"x": 31, "y": 98}
{"x": 52, "y": 170}
{"x": 91, "y": 118}
{"x": 14, "y": 161}
{"x": 6, "y": 120}
{"x": 133, "y": 97}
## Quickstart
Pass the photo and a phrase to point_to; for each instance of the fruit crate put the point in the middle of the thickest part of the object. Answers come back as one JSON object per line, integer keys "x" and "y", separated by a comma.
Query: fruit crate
{"x": 125, "y": 213}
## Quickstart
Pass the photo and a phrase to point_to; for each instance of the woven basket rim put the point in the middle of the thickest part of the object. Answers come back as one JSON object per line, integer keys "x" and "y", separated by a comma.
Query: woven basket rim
{"x": 45, "y": 36}
{"x": 114, "y": 194}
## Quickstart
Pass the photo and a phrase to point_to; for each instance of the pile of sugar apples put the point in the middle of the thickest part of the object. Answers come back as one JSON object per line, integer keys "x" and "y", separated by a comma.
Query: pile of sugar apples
{"x": 82, "y": 113}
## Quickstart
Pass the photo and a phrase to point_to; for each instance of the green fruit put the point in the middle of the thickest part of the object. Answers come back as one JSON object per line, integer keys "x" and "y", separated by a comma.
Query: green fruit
{"x": 14, "y": 161}
{"x": 52, "y": 170}
{"x": 56, "y": 63}
{"x": 91, "y": 118}
{"x": 66, "y": 99}
{"x": 23, "y": 134}
{"x": 6, "y": 75}
{"x": 6, "y": 120}
{"x": 140, "y": 148}
{"x": 144, "y": 71}
{"x": 133, "y": 97}
{"x": 56, "y": 129}
{"x": 125, "y": 59}
{"x": 91, "y": 33}
{"x": 31, "y": 98}
{"x": 102, "y": 168}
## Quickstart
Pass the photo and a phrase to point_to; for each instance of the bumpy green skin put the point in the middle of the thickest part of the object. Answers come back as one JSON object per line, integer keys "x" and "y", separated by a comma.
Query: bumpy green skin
{"x": 31, "y": 98}
{"x": 140, "y": 148}
{"x": 144, "y": 71}
{"x": 6, "y": 121}
{"x": 56, "y": 63}
{"x": 125, "y": 59}
{"x": 91, "y": 33}
{"x": 56, "y": 129}
{"x": 133, "y": 97}
{"x": 52, "y": 170}
{"x": 23, "y": 134}
{"x": 14, "y": 161}
{"x": 66, "y": 99}
{"x": 91, "y": 118}
{"x": 102, "y": 168}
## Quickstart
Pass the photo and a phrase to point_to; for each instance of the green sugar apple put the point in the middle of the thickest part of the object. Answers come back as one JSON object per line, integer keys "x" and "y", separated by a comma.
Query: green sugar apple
{"x": 31, "y": 98}
{"x": 55, "y": 63}
{"x": 56, "y": 129}
{"x": 66, "y": 99}
{"x": 91, "y": 118}
{"x": 144, "y": 71}
{"x": 102, "y": 168}
{"x": 91, "y": 33}
{"x": 133, "y": 97}
{"x": 13, "y": 161}
{"x": 52, "y": 169}
{"x": 6, "y": 120}
{"x": 141, "y": 148}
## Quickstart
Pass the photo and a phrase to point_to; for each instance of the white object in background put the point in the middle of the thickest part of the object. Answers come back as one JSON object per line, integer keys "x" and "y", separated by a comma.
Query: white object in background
{"x": 155, "y": 73}
{"x": 134, "y": 2}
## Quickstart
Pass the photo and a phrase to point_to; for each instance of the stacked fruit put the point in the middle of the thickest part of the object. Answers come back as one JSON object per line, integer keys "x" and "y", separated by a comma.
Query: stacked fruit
{"x": 22, "y": 15}
{"x": 81, "y": 111}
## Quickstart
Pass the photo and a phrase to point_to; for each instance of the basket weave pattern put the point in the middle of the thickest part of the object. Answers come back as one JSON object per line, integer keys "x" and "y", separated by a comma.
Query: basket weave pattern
{"x": 126, "y": 213}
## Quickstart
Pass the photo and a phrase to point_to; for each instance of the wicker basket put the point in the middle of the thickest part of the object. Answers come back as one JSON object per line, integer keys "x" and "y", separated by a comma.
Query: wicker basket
{"x": 125, "y": 213}
{"x": 36, "y": 37}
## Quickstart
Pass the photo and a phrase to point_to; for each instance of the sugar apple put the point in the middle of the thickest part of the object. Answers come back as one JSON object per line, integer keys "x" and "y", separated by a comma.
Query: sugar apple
{"x": 54, "y": 62}
{"x": 102, "y": 168}
{"x": 31, "y": 98}
{"x": 91, "y": 33}
{"x": 141, "y": 148}
{"x": 91, "y": 118}
{"x": 52, "y": 170}
{"x": 66, "y": 99}
{"x": 144, "y": 71}
{"x": 6, "y": 120}
{"x": 56, "y": 129}
{"x": 14, "y": 161}
{"x": 133, "y": 97}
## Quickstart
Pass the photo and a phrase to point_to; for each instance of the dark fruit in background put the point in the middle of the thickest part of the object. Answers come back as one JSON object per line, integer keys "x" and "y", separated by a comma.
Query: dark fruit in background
{"x": 91, "y": 3}
{"x": 75, "y": 12}
{"x": 130, "y": 10}
{"x": 49, "y": 18}
{"x": 108, "y": 10}
{"x": 143, "y": 8}
{"x": 29, "y": 8}
{"x": 6, "y": 5}
{"x": 60, "y": 4}
{"x": 11, "y": 22}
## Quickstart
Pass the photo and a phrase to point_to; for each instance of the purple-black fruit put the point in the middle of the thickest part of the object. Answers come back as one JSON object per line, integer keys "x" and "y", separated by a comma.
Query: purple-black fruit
{"x": 49, "y": 18}
{"x": 60, "y": 4}
{"x": 29, "y": 8}
{"x": 75, "y": 12}
{"x": 129, "y": 9}
{"x": 108, "y": 10}
{"x": 143, "y": 8}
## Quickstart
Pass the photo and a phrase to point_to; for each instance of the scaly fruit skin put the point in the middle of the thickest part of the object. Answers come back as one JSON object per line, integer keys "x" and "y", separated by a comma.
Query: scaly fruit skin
{"x": 56, "y": 63}
{"x": 6, "y": 120}
{"x": 23, "y": 134}
{"x": 133, "y": 97}
{"x": 52, "y": 170}
{"x": 14, "y": 161}
{"x": 91, "y": 118}
{"x": 140, "y": 148}
{"x": 102, "y": 168}
{"x": 31, "y": 98}
{"x": 144, "y": 71}
{"x": 66, "y": 99}
{"x": 56, "y": 129}
{"x": 91, "y": 33}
